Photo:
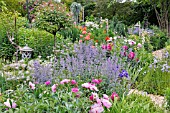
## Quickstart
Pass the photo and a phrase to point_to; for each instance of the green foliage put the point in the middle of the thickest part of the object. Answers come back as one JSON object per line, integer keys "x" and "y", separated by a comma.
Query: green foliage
{"x": 135, "y": 104}
{"x": 147, "y": 44}
{"x": 117, "y": 26}
{"x": 9, "y": 22}
{"x": 157, "y": 76}
{"x": 159, "y": 39}
{"x": 72, "y": 33}
{"x": 52, "y": 17}
{"x": 40, "y": 41}
{"x": 89, "y": 9}
{"x": 155, "y": 82}
{"x": 167, "y": 96}
{"x": 14, "y": 5}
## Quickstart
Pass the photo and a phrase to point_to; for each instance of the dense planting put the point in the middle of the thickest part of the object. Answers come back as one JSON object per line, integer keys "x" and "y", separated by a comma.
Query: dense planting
{"x": 80, "y": 67}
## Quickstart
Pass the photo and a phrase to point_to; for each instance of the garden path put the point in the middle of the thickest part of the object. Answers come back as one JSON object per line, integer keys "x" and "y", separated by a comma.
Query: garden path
{"x": 159, "y": 53}
{"x": 157, "y": 99}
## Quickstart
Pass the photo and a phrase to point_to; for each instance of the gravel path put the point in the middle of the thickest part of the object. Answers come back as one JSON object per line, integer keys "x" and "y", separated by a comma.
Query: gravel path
{"x": 158, "y": 100}
{"x": 159, "y": 53}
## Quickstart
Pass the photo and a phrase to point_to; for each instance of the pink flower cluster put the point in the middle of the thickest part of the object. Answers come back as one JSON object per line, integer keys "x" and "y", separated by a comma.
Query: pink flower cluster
{"x": 97, "y": 81}
{"x": 107, "y": 47}
{"x": 97, "y": 107}
{"x": 90, "y": 86}
{"x": 10, "y": 104}
{"x": 98, "y": 103}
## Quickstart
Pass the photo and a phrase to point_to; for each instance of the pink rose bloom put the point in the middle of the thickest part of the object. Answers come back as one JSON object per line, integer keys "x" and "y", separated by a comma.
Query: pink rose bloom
{"x": 73, "y": 82}
{"x": 97, "y": 81}
{"x": 54, "y": 87}
{"x": 74, "y": 90}
{"x": 31, "y": 85}
{"x": 139, "y": 45}
{"x": 80, "y": 41}
{"x": 131, "y": 55}
{"x": 104, "y": 47}
{"x": 105, "y": 96}
{"x": 7, "y": 103}
{"x": 65, "y": 81}
{"x": 84, "y": 32}
{"x": 87, "y": 37}
{"x": 106, "y": 103}
{"x": 109, "y": 47}
{"x": 81, "y": 36}
{"x": 96, "y": 108}
{"x": 114, "y": 95}
{"x": 47, "y": 83}
{"x": 125, "y": 47}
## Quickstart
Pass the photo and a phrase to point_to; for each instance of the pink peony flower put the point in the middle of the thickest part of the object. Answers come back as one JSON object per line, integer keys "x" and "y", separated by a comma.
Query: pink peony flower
{"x": 93, "y": 87}
{"x": 54, "y": 87}
{"x": 131, "y": 55}
{"x": 91, "y": 97}
{"x": 139, "y": 45}
{"x": 105, "y": 96}
{"x": 97, "y": 81}
{"x": 84, "y": 32}
{"x": 89, "y": 86}
{"x": 86, "y": 85}
{"x": 65, "y": 81}
{"x": 31, "y": 85}
{"x": 10, "y": 105}
{"x": 106, "y": 103}
{"x": 114, "y": 95}
{"x": 77, "y": 95}
{"x": 104, "y": 47}
{"x": 96, "y": 108}
{"x": 125, "y": 47}
{"x": 74, "y": 90}
{"x": 94, "y": 96}
{"x": 109, "y": 47}
{"x": 73, "y": 82}
{"x": 47, "y": 83}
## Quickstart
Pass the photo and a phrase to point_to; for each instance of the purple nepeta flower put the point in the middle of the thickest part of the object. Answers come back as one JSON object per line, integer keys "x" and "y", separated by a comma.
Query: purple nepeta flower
{"x": 124, "y": 73}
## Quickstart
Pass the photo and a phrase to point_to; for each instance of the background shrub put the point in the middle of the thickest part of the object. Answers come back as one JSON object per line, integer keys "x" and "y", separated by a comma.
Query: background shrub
{"x": 41, "y": 41}
{"x": 159, "y": 39}
{"x": 135, "y": 104}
